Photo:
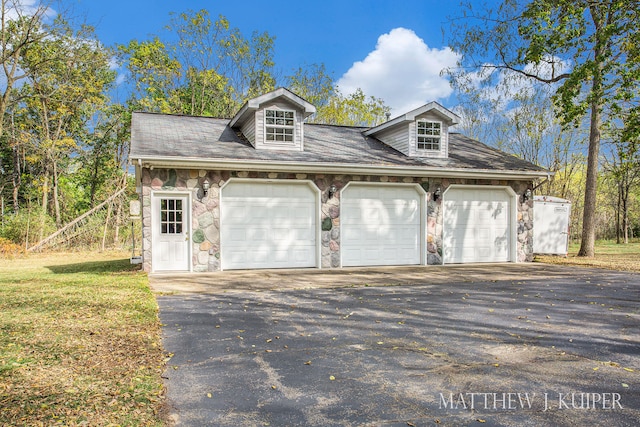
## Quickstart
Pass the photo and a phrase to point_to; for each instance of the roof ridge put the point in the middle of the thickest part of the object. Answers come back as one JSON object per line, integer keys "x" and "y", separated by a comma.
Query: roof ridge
{"x": 156, "y": 113}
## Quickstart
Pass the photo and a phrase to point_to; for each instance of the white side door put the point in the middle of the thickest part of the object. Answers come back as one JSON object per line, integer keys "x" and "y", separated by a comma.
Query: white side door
{"x": 170, "y": 224}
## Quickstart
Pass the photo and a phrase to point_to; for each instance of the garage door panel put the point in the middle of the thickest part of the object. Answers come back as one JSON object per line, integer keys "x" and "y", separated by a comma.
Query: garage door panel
{"x": 280, "y": 235}
{"x": 363, "y": 239}
{"x": 268, "y": 225}
{"x": 239, "y": 234}
{"x": 477, "y": 225}
{"x": 406, "y": 236}
{"x": 483, "y": 233}
{"x": 305, "y": 234}
{"x": 380, "y": 225}
{"x": 253, "y": 234}
{"x": 302, "y": 214}
{"x": 236, "y": 256}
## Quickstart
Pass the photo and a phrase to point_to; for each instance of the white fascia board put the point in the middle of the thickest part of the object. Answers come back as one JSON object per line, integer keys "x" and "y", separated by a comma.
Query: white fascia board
{"x": 449, "y": 116}
{"x": 239, "y": 114}
{"x": 307, "y": 107}
{"x": 386, "y": 125}
{"x": 255, "y": 104}
{"x": 337, "y": 168}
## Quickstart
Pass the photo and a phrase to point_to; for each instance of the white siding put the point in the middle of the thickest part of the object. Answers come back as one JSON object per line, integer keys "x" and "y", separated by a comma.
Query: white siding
{"x": 260, "y": 142}
{"x": 444, "y": 140}
{"x": 249, "y": 130}
{"x": 397, "y": 138}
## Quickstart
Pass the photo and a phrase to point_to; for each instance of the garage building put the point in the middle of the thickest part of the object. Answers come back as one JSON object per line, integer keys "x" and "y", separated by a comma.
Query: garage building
{"x": 265, "y": 189}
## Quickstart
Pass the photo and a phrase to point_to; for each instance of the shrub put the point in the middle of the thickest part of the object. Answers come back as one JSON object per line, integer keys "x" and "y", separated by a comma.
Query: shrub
{"x": 9, "y": 249}
{"x": 27, "y": 225}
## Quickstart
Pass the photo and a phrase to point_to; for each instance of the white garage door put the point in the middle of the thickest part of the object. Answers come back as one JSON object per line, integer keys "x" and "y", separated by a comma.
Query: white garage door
{"x": 380, "y": 225}
{"x": 267, "y": 225}
{"x": 477, "y": 225}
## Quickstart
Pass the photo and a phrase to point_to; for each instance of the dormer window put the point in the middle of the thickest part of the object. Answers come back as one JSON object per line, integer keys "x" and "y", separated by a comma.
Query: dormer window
{"x": 279, "y": 125}
{"x": 429, "y": 135}
{"x": 274, "y": 121}
{"x": 423, "y": 132}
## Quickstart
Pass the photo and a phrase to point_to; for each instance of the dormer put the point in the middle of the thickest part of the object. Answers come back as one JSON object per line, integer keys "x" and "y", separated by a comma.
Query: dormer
{"x": 274, "y": 121}
{"x": 423, "y": 132}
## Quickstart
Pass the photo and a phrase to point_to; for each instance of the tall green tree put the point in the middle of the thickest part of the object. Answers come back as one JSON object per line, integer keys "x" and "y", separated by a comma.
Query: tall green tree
{"x": 104, "y": 155}
{"x": 253, "y": 64}
{"x": 202, "y": 50}
{"x": 205, "y": 68}
{"x": 584, "y": 46}
{"x": 153, "y": 74}
{"x": 622, "y": 169}
{"x": 315, "y": 84}
{"x": 21, "y": 28}
{"x": 23, "y": 24}
{"x": 62, "y": 92}
{"x": 355, "y": 109}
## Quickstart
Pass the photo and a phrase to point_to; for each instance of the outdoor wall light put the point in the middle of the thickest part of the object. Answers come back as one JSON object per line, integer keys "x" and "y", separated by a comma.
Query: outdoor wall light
{"x": 332, "y": 190}
{"x": 437, "y": 194}
{"x": 205, "y": 187}
{"x": 527, "y": 195}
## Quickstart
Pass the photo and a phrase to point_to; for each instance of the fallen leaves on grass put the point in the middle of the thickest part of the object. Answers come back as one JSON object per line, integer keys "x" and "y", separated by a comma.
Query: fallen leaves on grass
{"x": 87, "y": 341}
{"x": 623, "y": 257}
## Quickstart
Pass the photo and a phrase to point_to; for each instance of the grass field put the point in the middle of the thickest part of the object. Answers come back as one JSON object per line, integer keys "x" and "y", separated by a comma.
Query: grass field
{"x": 609, "y": 255}
{"x": 80, "y": 339}
{"x": 79, "y": 342}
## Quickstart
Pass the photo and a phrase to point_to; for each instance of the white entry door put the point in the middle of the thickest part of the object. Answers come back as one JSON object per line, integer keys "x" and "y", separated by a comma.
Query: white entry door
{"x": 268, "y": 224}
{"x": 477, "y": 225}
{"x": 170, "y": 223}
{"x": 380, "y": 225}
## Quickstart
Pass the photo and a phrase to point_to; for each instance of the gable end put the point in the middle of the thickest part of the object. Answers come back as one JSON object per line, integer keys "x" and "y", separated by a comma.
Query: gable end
{"x": 274, "y": 120}
{"x": 423, "y": 132}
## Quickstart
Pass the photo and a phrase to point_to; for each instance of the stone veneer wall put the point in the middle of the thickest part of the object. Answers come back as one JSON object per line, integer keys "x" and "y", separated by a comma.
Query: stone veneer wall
{"x": 205, "y": 211}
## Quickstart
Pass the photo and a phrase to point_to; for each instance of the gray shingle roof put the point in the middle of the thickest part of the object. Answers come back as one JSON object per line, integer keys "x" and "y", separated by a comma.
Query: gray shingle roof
{"x": 208, "y": 139}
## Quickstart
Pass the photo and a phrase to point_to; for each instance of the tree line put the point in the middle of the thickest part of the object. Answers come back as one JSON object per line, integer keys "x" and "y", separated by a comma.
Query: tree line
{"x": 63, "y": 133}
{"x": 544, "y": 80}
{"x": 571, "y": 71}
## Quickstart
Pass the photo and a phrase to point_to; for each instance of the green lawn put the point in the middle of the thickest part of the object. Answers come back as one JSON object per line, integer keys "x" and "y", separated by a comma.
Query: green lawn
{"x": 79, "y": 342}
{"x": 609, "y": 255}
{"x": 80, "y": 337}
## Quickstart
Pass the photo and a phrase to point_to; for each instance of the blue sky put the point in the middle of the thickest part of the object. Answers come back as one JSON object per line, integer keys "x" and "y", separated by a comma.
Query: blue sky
{"x": 394, "y": 50}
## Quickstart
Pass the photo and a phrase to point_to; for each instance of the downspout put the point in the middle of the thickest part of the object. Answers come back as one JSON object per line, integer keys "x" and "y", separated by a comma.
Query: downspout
{"x": 547, "y": 179}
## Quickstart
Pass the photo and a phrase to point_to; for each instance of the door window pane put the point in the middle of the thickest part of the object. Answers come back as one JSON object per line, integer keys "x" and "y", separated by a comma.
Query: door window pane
{"x": 171, "y": 216}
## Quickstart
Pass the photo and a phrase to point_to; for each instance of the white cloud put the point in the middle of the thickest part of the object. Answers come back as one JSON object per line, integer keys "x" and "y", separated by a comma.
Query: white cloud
{"x": 402, "y": 70}
{"x": 15, "y": 9}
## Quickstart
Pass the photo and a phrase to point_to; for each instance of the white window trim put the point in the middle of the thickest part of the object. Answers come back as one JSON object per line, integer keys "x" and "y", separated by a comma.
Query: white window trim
{"x": 280, "y": 127}
{"x": 439, "y": 137}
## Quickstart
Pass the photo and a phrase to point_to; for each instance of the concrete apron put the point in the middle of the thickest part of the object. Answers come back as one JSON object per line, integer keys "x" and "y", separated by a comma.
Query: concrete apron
{"x": 265, "y": 280}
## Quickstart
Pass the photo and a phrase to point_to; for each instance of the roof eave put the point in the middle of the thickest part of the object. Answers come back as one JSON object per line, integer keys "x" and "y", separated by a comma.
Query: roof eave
{"x": 450, "y": 117}
{"x": 254, "y": 104}
{"x": 335, "y": 168}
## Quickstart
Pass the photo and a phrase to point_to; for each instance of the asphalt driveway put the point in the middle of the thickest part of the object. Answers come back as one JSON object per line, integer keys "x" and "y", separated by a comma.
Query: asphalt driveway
{"x": 507, "y": 345}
